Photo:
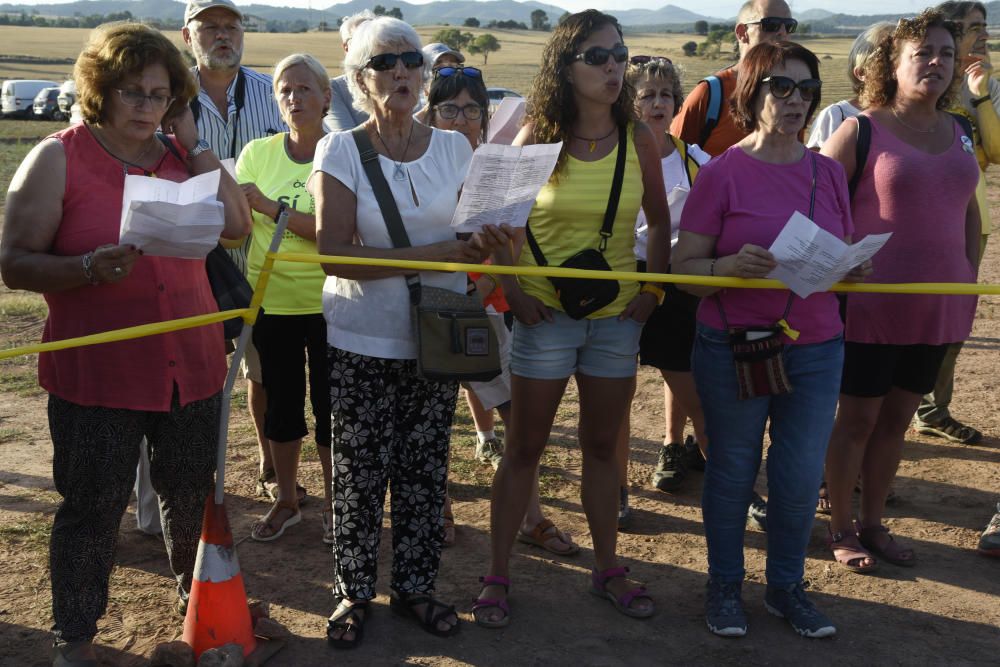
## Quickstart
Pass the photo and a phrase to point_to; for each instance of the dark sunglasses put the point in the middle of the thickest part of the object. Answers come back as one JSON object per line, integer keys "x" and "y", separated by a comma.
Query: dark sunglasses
{"x": 386, "y": 61}
{"x": 598, "y": 55}
{"x": 774, "y": 23}
{"x": 464, "y": 71}
{"x": 782, "y": 87}
{"x": 645, "y": 60}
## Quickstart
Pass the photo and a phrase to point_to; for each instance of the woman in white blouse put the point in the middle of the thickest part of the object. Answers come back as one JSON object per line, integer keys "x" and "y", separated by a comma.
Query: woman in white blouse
{"x": 390, "y": 425}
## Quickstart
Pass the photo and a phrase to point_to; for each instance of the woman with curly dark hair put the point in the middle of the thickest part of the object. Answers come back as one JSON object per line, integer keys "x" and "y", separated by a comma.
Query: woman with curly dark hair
{"x": 580, "y": 98}
{"x": 919, "y": 183}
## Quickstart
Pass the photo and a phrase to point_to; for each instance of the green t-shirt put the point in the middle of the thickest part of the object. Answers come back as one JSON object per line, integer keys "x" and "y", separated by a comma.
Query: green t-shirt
{"x": 295, "y": 288}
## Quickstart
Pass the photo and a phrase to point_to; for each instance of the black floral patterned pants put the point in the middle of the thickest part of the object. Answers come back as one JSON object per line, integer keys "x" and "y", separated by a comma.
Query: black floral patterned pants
{"x": 96, "y": 451}
{"x": 391, "y": 428}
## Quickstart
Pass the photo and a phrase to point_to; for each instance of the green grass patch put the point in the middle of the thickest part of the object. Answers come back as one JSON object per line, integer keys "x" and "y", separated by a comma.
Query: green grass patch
{"x": 23, "y": 305}
{"x": 8, "y": 434}
{"x": 31, "y": 533}
{"x": 20, "y": 377}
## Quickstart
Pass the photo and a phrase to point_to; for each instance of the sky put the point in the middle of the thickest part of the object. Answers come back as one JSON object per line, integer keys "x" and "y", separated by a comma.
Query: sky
{"x": 704, "y": 7}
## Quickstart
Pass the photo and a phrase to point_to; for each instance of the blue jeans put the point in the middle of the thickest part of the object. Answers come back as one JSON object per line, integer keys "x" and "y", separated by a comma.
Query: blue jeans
{"x": 801, "y": 422}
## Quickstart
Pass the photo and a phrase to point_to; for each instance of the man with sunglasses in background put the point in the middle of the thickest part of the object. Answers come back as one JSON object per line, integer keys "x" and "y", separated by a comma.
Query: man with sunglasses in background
{"x": 343, "y": 115}
{"x": 705, "y": 118}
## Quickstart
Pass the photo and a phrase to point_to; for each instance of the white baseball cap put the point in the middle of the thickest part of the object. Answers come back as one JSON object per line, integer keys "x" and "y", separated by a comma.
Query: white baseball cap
{"x": 195, "y": 7}
{"x": 434, "y": 51}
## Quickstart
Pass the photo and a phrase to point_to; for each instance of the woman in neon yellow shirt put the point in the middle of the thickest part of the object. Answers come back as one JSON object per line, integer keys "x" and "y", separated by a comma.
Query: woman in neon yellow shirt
{"x": 273, "y": 172}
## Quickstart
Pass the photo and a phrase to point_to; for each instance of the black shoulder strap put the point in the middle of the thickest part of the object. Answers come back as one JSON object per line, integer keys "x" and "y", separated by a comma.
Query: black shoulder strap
{"x": 386, "y": 202}
{"x": 195, "y": 105}
{"x": 607, "y": 228}
{"x": 860, "y": 151}
{"x": 965, "y": 123}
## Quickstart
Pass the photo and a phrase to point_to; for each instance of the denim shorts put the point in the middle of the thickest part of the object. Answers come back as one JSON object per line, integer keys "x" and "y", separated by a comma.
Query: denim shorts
{"x": 604, "y": 348}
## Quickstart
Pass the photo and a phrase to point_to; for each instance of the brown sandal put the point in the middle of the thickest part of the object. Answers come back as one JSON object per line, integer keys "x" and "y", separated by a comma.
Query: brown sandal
{"x": 267, "y": 522}
{"x": 849, "y": 552}
{"x": 890, "y": 551}
{"x": 544, "y": 532}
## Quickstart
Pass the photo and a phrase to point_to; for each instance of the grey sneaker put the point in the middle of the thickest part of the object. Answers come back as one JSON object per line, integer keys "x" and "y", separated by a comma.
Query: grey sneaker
{"x": 724, "y": 609}
{"x": 757, "y": 513}
{"x": 670, "y": 469}
{"x": 74, "y": 654}
{"x": 692, "y": 455}
{"x": 989, "y": 543}
{"x": 790, "y": 603}
{"x": 624, "y": 511}
{"x": 490, "y": 451}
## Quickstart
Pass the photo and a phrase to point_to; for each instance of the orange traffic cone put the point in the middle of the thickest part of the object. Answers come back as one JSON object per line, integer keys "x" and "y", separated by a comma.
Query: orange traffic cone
{"x": 217, "y": 611}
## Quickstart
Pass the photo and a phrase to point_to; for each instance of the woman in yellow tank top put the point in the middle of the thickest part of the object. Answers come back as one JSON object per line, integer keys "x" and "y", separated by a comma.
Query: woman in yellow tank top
{"x": 581, "y": 99}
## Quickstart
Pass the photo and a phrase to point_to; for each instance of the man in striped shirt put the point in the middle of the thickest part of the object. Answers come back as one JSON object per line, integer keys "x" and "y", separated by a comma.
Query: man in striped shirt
{"x": 235, "y": 105}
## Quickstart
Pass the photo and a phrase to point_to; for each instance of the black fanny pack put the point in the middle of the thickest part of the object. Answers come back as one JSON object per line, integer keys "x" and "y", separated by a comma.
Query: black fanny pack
{"x": 581, "y": 297}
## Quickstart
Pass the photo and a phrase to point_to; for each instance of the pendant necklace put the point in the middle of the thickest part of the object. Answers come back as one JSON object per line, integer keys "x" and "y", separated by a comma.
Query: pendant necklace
{"x": 910, "y": 127}
{"x": 398, "y": 174}
{"x": 592, "y": 145}
{"x": 125, "y": 163}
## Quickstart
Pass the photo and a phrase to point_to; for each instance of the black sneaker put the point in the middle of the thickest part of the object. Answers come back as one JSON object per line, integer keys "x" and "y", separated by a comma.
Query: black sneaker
{"x": 670, "y": 469}
{"x": 757, "y": 513}
{"x": 692, "y": 455}
{"x": 791, "y": 604}
{"x": 624, "y": 511}
{"x": 724, "y": 613}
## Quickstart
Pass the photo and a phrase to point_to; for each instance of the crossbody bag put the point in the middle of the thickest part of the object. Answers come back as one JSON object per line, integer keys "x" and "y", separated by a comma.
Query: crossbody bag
{"x": 455, "y": 339}
{"x": 580, "y": 297}
{"x": 758, "y": 352}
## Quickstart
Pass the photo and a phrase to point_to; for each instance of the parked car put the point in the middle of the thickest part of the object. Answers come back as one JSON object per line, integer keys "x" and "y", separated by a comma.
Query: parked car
{"x": 18, "y": 96}
{"x": 67, "y": 98}
{"x": 46, "y": 105}
{"x": 496, "y": 95}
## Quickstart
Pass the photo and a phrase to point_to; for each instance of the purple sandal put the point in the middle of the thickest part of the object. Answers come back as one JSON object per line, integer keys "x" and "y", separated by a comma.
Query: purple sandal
{"x": 599, "y": 581}
{"x": 488, "y": 603}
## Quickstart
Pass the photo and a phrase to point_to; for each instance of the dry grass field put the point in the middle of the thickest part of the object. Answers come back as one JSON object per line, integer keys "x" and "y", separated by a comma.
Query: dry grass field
{"x": 944, "y": 611}
{"x": 512, "y": 67}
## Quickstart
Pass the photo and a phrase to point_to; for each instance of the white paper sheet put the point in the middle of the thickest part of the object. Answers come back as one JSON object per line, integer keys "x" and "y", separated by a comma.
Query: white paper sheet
{"x": 506, "y": 120}
{"x": 169, "y": 219}
{"x": 811, "y": 259}
{"x": 502, "y": 184}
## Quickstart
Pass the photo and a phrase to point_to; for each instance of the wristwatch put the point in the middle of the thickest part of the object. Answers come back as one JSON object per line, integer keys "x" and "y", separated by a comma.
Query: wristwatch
{"x": 198, "y": 149}
{"x": 655, "y": 290}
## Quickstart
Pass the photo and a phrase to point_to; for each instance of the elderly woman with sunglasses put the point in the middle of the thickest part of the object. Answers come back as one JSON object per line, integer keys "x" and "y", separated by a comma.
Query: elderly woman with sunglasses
{"x": 764, "y": 354}
{"x": 918, "y": 182}
{"x": 390, "y": 425}
{"x": 61, "y": 238}
{"x": 580, "y": 97}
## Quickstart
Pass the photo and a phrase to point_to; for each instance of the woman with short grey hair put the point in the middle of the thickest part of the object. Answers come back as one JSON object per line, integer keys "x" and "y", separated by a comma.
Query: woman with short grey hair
{"x": 391, "y": 426}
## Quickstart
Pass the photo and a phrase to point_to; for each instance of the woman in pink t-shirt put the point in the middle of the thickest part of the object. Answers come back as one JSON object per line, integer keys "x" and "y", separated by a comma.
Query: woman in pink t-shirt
{"x": 737, "y": 207}
{"x": 918, "y": 182}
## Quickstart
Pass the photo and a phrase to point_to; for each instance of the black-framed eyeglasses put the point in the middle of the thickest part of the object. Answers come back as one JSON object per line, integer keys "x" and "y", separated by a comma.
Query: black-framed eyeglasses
{"x": 645, "y": 60}
{"x": 387, "y": 61}
{"x": 783, "y": 87}
{"x": 135, "y": 98}
{"x": 450, "y": 111}
{"x": 598, "y": 55}
{"x": 447, "y": 71}
{"x": 774, "y": 24}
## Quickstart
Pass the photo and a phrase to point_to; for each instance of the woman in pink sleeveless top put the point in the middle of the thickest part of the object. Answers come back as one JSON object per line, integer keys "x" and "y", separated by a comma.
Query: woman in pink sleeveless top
{"x": 918, "y": 182}
{"x": 61, "y": 238}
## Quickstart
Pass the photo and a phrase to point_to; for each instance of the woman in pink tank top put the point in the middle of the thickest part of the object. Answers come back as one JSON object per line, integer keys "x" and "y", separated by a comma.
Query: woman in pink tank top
{"x": 918, "y": 182}
{"x": 61, "y": 238}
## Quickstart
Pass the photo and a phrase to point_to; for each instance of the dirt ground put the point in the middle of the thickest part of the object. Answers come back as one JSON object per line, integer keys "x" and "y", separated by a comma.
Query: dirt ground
{"x": 945, "y": 610}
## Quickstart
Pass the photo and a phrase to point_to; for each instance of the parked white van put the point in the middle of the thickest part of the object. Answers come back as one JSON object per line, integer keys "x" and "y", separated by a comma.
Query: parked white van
{"x": 19, "y": 94}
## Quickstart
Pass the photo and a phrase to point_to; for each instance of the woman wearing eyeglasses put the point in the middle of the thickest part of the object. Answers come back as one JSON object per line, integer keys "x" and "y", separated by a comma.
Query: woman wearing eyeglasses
{"x": 919, "y": 183}
{"x": 61, "y": 238}
{"x": 458, "y": 101}
{"x": 668, "y": 336}
{"x": 764, "y": 354}
{"x": 390, "y": 425}
{"x": 579, "y": 97}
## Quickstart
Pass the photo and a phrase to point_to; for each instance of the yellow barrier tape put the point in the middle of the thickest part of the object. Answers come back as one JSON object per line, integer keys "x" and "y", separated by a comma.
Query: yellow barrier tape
{"x": 712, "y": 281}
{"x": 125, "y": 334}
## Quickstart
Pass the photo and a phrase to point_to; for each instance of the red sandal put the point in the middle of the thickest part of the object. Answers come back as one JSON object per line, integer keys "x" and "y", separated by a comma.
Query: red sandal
{"x": 599, "y": 582}
{"x": 489, "y": 603}
{"x": 849, "y": 552}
